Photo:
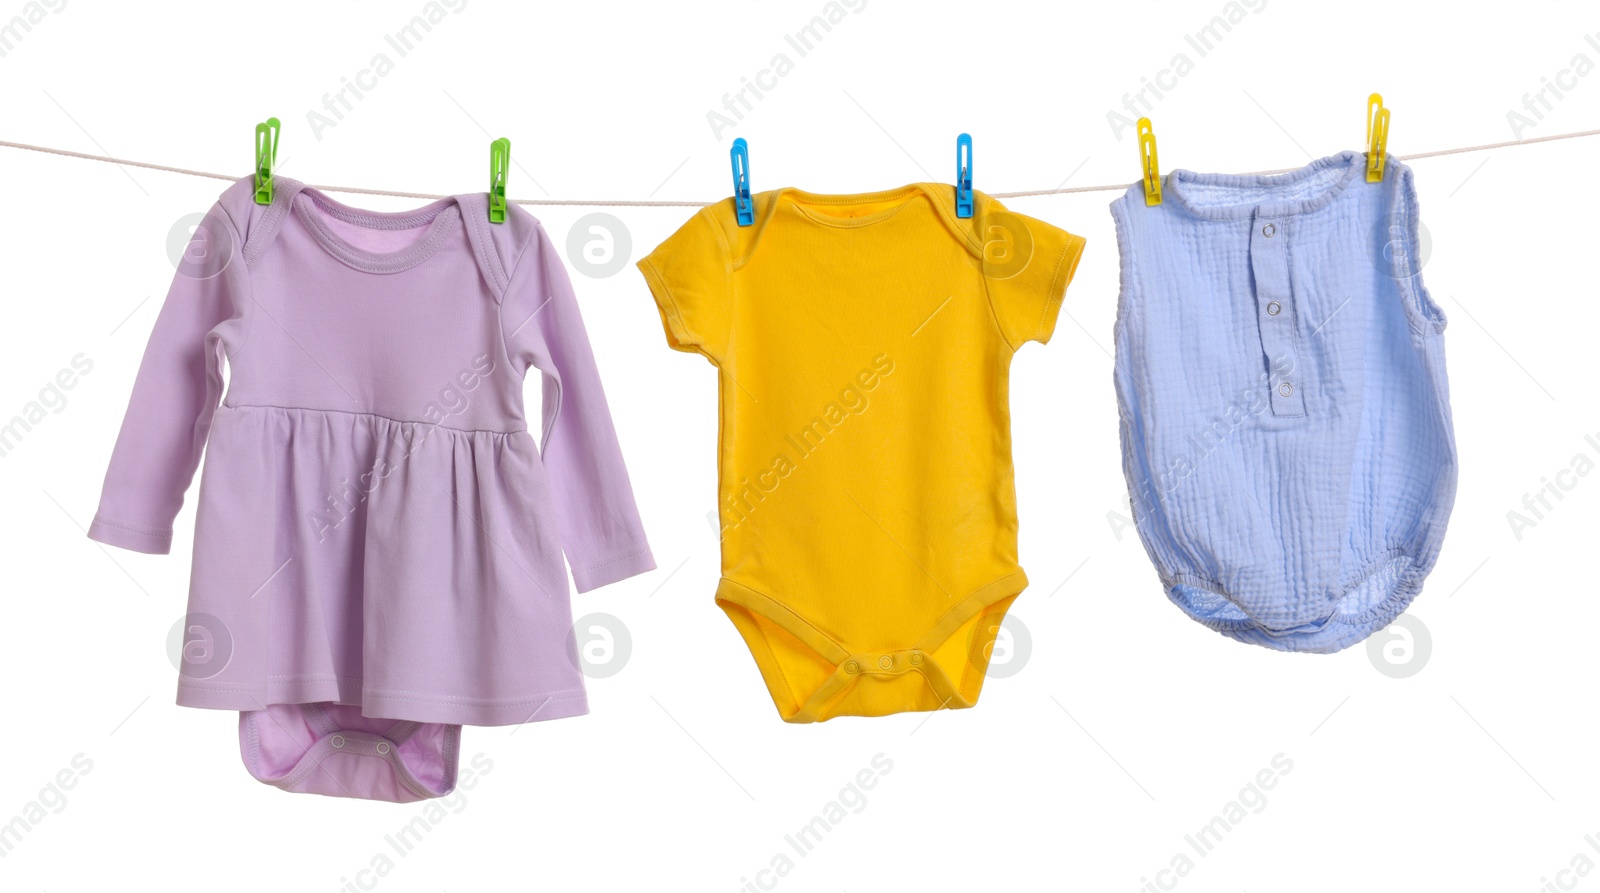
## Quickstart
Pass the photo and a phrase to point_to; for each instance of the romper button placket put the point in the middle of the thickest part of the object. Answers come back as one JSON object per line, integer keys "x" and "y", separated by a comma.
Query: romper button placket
{"x": 1275, "y": 326}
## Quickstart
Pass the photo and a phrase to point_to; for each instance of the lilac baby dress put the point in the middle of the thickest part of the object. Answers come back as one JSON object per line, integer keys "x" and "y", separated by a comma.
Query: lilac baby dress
{"x": 379, "y": 539}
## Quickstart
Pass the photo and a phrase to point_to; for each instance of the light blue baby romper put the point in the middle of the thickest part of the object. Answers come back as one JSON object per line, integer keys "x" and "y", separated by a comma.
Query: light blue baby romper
{"x": 1280, "y": 374}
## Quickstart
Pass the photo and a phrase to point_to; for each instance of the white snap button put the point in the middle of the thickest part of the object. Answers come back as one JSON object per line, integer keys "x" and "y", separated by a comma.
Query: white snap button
{"x": 886, "y": 662}
{"x": 383, "y": 747}
{"x": 1274, "y": 308}
{"x": 338, "y": 741}
{"x": 1286, "y": 389}
{"x": 1268, "y": 230}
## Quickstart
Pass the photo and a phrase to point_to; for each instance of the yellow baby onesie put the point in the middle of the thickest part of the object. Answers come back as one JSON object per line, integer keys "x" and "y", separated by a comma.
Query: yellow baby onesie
{"x": 868, "y": 512}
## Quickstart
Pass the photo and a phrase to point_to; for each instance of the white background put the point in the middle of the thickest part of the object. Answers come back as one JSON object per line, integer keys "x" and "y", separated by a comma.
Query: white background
{"x": 1123, "y": 727}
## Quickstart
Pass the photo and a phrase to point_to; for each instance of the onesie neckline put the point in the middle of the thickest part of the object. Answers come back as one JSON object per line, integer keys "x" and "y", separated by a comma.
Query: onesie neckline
{"x": 802, "y": 198}
{"x": 441, "y": 217}
{"x": 1180, "y": 181}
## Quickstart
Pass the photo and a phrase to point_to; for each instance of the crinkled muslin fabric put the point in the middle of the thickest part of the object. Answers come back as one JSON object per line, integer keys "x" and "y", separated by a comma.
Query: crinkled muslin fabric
{"x": 1285, "y": 417}
{"x": 381, "y": 544}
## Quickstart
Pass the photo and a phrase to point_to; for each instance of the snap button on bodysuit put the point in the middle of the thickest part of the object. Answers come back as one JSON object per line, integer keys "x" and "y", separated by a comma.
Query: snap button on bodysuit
{"x": 338, "y": 741}
{"x": 886, "y": 662}
{"x": 1274, "y": 308}
{"x": 1286, "y": 389}
{"x": 1268, "y": 230}
{"x": 383, "y": 747}
{"x": 916, "y": 658}
{"x": 851, "y": 667}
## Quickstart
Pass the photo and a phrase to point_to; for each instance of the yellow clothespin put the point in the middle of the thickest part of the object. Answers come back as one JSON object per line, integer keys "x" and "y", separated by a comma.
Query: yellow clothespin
{"x": 1147, "y": 160}
{"x": 1377, "y": 137}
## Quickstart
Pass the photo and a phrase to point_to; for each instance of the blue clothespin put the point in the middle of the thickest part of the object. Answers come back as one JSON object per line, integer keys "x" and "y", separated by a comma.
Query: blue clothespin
{"x": 740, "y": 156}
{"x": 964, "y": 175}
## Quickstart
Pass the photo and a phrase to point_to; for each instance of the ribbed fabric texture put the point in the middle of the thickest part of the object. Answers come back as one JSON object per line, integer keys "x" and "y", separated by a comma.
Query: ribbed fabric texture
{"x": 1280, "y": 372}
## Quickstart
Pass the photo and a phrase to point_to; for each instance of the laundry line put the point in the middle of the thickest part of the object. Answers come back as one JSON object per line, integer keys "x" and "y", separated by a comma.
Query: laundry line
{"x": 625, "y": 203}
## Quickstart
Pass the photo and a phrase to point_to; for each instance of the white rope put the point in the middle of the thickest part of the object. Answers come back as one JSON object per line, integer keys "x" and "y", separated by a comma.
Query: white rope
{"x": 619, "y": 203}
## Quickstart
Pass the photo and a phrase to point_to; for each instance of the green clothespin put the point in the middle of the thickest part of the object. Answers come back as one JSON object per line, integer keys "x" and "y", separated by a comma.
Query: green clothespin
{"x": 499, "y": 160}
{"x": 266, "y": 159}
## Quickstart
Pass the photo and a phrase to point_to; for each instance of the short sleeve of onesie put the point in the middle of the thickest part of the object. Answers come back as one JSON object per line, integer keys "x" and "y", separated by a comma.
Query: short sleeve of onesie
{"x": 1027, "y": 265}
{"x": 689, "y": 276}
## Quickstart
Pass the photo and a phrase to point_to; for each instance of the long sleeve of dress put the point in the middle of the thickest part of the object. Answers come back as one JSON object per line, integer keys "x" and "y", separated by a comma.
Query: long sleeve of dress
{"x": 599, "y": 523}
{"x": 175, "y": 394}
